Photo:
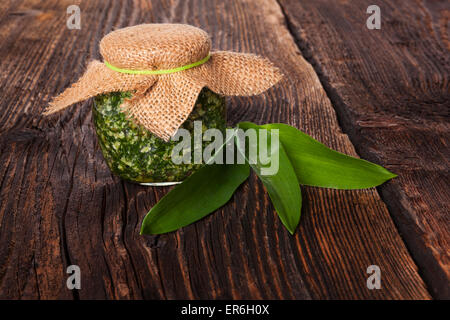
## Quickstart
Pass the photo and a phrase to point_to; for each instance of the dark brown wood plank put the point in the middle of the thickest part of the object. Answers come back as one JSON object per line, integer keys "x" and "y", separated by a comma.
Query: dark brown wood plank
{"x": 391, "y": 91}
{"x": 60, "y": 205}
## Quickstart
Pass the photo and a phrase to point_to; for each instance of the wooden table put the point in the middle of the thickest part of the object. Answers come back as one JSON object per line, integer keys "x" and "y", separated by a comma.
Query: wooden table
{"x": 381, "y": 94}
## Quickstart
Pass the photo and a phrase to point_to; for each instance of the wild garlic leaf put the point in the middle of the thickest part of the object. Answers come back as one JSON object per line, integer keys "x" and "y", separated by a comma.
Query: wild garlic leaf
{"x": 204, "y": 191}
{"x": 282, "y": 186}
{"x": 319, "y": 166}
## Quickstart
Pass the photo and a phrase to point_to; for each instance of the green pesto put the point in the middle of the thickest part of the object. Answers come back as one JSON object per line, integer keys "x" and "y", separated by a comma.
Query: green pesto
{"x": 134, "y": 153}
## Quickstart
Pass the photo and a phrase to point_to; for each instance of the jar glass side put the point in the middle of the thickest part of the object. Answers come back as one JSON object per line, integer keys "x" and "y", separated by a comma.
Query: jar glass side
{"x": 135, "y": 154}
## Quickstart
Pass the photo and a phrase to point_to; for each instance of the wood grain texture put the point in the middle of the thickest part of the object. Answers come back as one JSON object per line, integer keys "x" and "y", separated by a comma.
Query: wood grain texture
{"x": 391, "y": 91}
{"x": 60, "y": 205}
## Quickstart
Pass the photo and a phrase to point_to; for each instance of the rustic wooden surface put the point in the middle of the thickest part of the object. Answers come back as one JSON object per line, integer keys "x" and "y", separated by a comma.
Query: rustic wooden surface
{"x": 60, "y": 205}
{"x": 390, "y": 88}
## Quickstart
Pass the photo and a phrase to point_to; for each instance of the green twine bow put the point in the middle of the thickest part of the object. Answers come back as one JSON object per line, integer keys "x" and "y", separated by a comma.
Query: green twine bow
{"x": 166, "y": 71}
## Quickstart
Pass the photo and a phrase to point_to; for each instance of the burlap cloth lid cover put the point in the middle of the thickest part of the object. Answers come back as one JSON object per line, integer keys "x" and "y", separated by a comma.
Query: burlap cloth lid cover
{"x": 162, "y": 102}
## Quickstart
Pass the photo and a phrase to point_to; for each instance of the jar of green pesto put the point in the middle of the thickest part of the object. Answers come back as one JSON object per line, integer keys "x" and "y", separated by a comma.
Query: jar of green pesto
{"x": 135, "y": 154}
{"x": 164, "y": 65}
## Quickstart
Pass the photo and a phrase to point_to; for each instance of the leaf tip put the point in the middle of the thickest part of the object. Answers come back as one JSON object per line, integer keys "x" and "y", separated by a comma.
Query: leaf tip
{"x": 390, "y": 175}
{"x": 291, "y": 228}
{"x": 143, "y": 232}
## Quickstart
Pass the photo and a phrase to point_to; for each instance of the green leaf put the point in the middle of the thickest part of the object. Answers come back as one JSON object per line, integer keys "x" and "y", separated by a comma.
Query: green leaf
{"x": 317, "y": 165}
{"x": 282, "y": 187}
{"x": 204, "y": 191}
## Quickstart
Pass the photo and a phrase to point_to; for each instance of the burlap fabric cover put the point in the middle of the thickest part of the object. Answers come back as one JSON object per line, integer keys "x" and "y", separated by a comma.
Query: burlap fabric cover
{"x": 161, "y": 103}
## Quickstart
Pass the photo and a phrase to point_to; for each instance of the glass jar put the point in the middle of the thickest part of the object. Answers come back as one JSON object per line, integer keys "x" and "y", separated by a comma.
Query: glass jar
{"x": 135, "y": 154}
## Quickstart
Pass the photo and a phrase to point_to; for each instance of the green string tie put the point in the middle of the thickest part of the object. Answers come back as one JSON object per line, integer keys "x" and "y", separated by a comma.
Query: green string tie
{"x": 167, "y": 71}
